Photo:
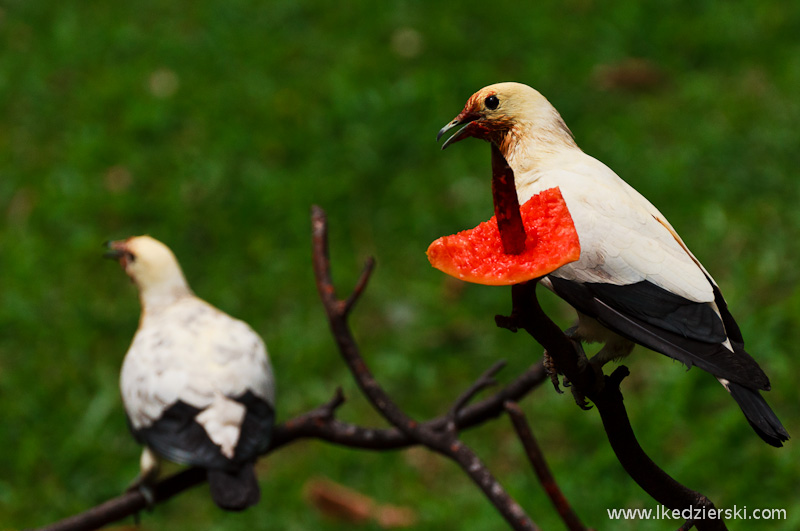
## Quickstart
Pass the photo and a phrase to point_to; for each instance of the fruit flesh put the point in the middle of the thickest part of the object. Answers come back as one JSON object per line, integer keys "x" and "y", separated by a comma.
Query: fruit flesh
{"x": 478, "y": 255}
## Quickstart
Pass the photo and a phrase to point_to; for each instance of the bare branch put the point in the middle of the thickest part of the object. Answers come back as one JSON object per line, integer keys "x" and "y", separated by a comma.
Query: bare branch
{"x": 361, "y": 285}
{"x": 486, "y": 380}
{"x": 535, "y": 456}
{"x": 320, "y": 423}
{"x": 337, "y": 312}
{"x": 528, "y": 315}
{"x": 313, "y": 425}
{"x": 444, "y": 442}
{"x": 129, "y": 503}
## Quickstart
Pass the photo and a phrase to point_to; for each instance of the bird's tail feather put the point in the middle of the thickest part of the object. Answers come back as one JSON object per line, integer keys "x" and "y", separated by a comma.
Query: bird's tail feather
{"x": 758, "y": 414}
{"x": 234, "y": 491}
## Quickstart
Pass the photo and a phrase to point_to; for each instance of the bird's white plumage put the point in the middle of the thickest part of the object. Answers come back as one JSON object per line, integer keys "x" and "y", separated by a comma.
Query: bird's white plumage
{"x": 186, "y": 350}
{"x": 192, "y": 352}
{"x": 624, "y": 239}
{"x": 222, "y": 421}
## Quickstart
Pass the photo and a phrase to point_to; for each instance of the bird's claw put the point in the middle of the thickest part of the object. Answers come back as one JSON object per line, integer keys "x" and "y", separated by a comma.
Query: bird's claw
{"x": 552, "y": 372}
{"x": 143, "y": 487}
{"x": 580, "y": 399}
{"x": 149, "y": 496}
{"x": 583, "y": 361}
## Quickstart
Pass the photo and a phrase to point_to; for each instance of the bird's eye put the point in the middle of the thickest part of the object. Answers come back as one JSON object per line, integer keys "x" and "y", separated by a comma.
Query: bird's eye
{"x": 130, "y": 257}
{"x": 491, "y": 102}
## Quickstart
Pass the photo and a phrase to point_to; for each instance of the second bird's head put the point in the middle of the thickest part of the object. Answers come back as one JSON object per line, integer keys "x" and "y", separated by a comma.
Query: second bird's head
{"x": 149, "y": 263}
{"x": 504, "y": 112}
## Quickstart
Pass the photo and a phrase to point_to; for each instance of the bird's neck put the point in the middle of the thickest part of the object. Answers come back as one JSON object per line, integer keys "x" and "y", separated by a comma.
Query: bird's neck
{"x": 528, "y": 147}
{"x": 158, "y": 296}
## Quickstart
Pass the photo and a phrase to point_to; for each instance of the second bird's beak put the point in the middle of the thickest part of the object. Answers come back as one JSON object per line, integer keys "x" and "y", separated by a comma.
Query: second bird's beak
{"x": 465, "y": 119}
{"x": 116, "y": 251}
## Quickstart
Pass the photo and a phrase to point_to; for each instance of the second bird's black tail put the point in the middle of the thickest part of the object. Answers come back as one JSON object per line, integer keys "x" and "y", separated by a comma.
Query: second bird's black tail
{"x": 234, "y": 491}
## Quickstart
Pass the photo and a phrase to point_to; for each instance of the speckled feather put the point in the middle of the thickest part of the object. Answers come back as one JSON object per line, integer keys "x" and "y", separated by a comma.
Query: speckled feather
{"x": 196, "y": 384}
{"x": 192, "y": 352}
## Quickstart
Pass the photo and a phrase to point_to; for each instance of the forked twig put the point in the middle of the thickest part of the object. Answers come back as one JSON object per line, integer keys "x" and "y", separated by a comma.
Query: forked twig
{"x": 486, "y": 380}
{"x": 444, "y": 442}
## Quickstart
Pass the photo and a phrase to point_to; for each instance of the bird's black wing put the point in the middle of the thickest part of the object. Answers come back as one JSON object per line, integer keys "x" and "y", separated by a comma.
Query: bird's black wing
{"x": 178, "y": 437}
{"x": 687, "y": 331}
{"x": 256, "y": 428}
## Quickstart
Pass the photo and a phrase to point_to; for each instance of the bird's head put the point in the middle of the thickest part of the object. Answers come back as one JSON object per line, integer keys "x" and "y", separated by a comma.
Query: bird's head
{"x": 151, "y": 265}
{"x": 506, "y": 114}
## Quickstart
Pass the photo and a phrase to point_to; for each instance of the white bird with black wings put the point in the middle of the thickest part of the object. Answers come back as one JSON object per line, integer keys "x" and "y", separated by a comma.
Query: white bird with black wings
{"x": 635, "y": 281}
{"x": 196, "y": 383}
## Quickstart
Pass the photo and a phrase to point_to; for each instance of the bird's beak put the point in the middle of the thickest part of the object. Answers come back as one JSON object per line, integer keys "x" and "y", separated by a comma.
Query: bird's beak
{"x": 116, "y": 251}
{"x": 465, "y": 118}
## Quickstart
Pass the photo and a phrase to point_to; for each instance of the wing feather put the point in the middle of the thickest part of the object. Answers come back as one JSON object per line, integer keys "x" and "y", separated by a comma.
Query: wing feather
{"x": 624, "y": 239}
{"x": 689, "y": 332}
{"x": 180, "y": 362}
{"x": 178, "y": 436}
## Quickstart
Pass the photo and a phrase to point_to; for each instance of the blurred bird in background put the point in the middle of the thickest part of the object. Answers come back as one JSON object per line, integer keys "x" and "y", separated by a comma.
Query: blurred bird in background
{"x": 636, "y": 281}
{"x": 196, "y": 384}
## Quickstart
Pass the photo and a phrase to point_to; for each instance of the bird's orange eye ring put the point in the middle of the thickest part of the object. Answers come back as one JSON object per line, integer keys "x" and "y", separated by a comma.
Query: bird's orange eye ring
{"x": 491, "y": 102}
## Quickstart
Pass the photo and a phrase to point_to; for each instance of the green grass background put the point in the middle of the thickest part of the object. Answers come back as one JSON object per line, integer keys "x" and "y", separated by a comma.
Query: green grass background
{"x": 214, "y": 125}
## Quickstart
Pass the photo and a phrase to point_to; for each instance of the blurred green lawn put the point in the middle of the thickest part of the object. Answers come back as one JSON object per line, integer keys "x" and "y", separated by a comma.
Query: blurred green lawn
{"x": 214, "y": 126}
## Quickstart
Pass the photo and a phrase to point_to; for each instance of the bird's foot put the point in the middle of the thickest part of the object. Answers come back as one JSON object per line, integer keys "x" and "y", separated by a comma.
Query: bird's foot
{"x": 149, "y": 466}
{"x": 141, "y": 486}
{"x": 552, "y": 372}
{"x": 583, "y": 361}
{"x": 550, "y": 365}
{"x": 145, "y": 488}
{"x": 580, "y": 399}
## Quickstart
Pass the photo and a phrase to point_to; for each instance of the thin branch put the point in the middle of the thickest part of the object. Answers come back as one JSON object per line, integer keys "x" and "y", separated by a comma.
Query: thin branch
{"x": 337, "y": 311}
{"x": 361, "y": 285}
{"x": 129, "y": 503}
{"x": 486, "y": 380}
{"x": 319, "y": 424}
{"x": 528, "y": 315}
{"x": 443, "y": 442}
{"x": 536, "y": 457}
{"x": 312, "y": 426}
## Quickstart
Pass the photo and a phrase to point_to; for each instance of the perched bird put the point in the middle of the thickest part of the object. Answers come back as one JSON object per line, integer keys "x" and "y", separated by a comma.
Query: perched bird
{"x": 635, "y": 281}
{"x": 197, "y": 384}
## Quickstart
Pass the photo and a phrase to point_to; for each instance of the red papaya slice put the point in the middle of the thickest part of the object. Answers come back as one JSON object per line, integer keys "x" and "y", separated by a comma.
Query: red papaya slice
{"x": 477, "y": 255}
